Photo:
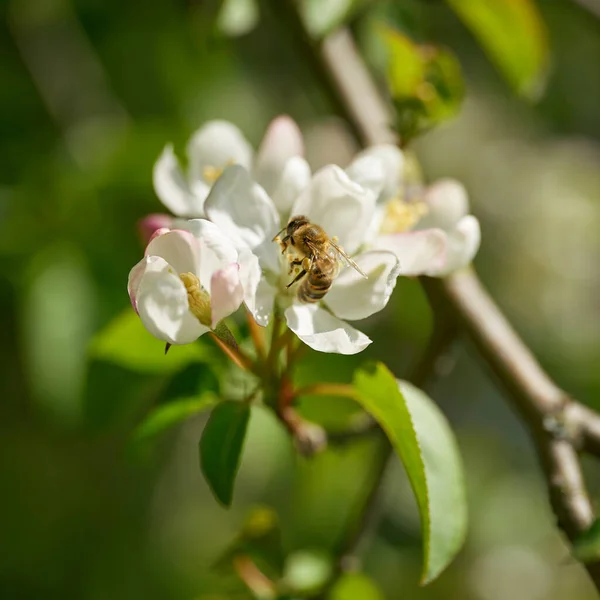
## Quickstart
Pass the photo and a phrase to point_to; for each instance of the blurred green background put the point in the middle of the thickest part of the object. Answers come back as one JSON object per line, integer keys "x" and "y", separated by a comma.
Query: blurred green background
{"x": 91, "y": 91}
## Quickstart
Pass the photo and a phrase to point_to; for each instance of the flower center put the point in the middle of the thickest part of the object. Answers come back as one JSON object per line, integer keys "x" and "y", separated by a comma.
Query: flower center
{"x": 212, "y": 173}
{"x": 401, "y": 215}
{"x": 198, "y": 298}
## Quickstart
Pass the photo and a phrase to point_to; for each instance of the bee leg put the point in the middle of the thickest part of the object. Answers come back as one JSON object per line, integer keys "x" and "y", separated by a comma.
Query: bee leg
{"x": 283, "y": 243}
{"x": 297, "y": 278}
{"x": 306, "y": 263}
{"x": 294, "y": 262}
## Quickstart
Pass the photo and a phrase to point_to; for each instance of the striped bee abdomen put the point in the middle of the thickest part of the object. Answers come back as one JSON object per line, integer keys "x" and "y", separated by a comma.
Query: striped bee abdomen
{"x": 318, "y": 280}
{"x": 314, "y": 287}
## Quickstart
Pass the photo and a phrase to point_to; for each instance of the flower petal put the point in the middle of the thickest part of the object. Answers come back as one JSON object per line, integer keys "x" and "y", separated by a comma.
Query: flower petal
{"x": 340, "y": 206}
{"x": 216, "y": 145}
{"x": 226, "y": 293}
{"x": 242, "y": 209}
{"x": 448, "y": 203}
{"x": 418, "y": 252}
{"x": 216, "y": 250}
{"x": 463, "y": 244}
{"x": 179, "y": 248}
{"x": 391, "y": 159}
{"x": 259, "y": 295}
{"x": 133, "y": 282}
{"x": 368, "y": 171}
{"x": 353, "y": 297}
{"x": 320, "y": 330}
{"x": 172, "y": 188}
{"x": 162, "y": 304}
{"x": 281, "y": 142}
{"x": 151, "y": 223}
{"x": 294, "y": 180}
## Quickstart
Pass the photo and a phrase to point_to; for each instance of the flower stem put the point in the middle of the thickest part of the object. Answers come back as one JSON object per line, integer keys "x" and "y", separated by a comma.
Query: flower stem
{"x": 274, "y": 347}
{"x": 236, "y": 355}
{"x": 327, "y": 389}
{"x": 257, "y": 335}
{"x": 260, "y": 585}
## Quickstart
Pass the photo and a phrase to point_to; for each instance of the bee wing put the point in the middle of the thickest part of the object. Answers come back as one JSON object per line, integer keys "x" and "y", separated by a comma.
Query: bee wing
{"x": 346, "y": 259}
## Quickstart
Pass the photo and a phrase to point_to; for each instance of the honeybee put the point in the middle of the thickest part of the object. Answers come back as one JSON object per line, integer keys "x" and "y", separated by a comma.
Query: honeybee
{"x": 317, "y": 255}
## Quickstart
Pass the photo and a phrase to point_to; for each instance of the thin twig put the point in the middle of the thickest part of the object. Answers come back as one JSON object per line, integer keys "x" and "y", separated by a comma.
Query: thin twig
{"x": 236, "y": 355}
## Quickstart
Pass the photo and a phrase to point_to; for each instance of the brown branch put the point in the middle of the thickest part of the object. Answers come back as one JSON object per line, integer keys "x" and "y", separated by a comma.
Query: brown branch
{"x": 559, "y": 426}
{"x": 552, "y": 417}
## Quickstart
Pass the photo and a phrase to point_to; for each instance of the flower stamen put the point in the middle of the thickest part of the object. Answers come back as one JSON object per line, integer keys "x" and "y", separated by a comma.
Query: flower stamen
{"x": 198, "y": 298}
{"x": 402, "y": 216}
{"x": 212, "y": 173}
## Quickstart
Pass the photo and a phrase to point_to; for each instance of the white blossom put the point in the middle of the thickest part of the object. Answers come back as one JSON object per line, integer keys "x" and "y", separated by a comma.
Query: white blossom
{"x": 277, "y": 166}
{"x": 428, "y": 228}
{"x": 188, "y": 281}
{"x": 246, "y": 213}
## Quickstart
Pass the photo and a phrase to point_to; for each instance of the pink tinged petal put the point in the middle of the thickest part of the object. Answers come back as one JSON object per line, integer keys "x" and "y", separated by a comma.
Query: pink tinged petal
{"x": 418, "y": 252}
{"x": 217, "y": 144}
{"x": 179, "y": 248}
{"x": 340, "y": 206}
{"x": 294, "y": 180}
{"x": 162, "y": 304}
{"x": 463, "y": 244}
{"x": 215, "y": 248}
{"x": 392, "y": 162}
{"x": 323, "y": 332}
{"x": 133, "y": 283}
{"x": 226, "y": 293}
{"x": 448, "y": 203}
{"x": 172, "y": 188}
{"x": 242, "y": 209}
{"x": 353, "y": 297}
{"x": 150, "y": 224}
{"x": 368, "y": 171}
{"x": 282, "y": 141}
{"x": 259, "y": 295}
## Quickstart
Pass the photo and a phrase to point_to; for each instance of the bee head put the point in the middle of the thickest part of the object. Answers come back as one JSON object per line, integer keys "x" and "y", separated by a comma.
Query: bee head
{"x": 295, "y": 223}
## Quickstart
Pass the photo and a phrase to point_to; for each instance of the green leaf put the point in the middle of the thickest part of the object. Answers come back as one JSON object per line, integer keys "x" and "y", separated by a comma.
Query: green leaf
{"x": 221, "y": 447}
{"x": 405, "y": 67}
{"x": 355, "y": 586}
{"x": 425, "y": 83}
{"x": 426, "y": 446}
{"x": 126, "y": 342}
{"x": 514, "y": 37}
{"x": 168, "y": 415}
{"x": 586, "y": 547}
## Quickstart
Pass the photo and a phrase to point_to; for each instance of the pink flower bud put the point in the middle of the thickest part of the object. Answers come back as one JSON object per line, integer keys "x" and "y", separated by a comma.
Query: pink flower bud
{"x": 151, "y": 223}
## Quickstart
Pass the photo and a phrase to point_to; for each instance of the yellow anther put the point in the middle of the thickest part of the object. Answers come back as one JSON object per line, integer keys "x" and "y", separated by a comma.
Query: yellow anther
{"x": 402, "y": 216}
{"x": 211, "y": 174}
{"x": 198, "y": 298}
